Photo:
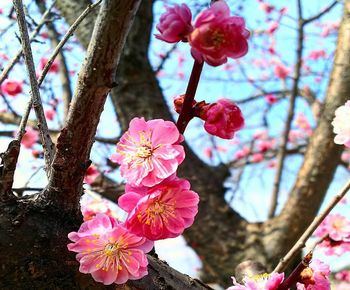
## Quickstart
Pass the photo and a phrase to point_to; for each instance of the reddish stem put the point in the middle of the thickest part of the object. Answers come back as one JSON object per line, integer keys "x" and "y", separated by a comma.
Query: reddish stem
{"x": 187, "y": 112}
{"x": 294, "y": 277}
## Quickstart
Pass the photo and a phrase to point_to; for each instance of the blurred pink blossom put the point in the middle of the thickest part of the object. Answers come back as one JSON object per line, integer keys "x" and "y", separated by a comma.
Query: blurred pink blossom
{"x": 50, "y": 114}
{"x": 281, "y": 71}
{"x": 11, "y": 87}
{"x": 265, "y": 281}
{"x": 175, "y": 24}
{"x": 54, "y": 68}
{"x": 341, "y": 125}
{"x": 91, "y": 174}
{"x": 271, "y": 99}
{"x": 30, "y": 138}
{"x": 317, "y": 54}
{"x": 336, "y": 226}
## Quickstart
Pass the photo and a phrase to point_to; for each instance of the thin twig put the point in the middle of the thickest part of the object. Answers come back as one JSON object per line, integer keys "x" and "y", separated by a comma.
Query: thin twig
{"x": 283, "y": 148}
{"x": 65, "y": 38}
{"x": 323, "y": 12}
{"x": 312, "y": 227}
{"x": 63, "y": 68}
{"x": 45, "y": 18}
{"x": 165, "y": 58}
{"x": 9, "y": 107}
{"x": 35, "y": 99}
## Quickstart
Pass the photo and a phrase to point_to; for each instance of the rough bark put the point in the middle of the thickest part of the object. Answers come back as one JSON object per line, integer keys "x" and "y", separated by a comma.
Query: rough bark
{"x": 34, "y": 255}
{"x": 321, "y": 158}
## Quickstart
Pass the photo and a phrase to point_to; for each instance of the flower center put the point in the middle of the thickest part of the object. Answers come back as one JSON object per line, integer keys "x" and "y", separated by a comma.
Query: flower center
{"x": 217, "y": 38}
{"x": 111, "y": 250}
{"x": 144, "y": 152}
{"x": 338, "y": 224}
{"x": 156, "y": 210}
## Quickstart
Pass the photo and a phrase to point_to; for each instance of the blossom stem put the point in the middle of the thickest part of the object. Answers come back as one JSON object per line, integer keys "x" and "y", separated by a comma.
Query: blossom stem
{"x": 294, "y": 277}
{"x": 187, "y": 111}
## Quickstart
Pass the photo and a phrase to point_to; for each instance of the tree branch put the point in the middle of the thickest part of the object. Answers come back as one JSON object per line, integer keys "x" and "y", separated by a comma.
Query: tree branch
{"x": 290, "y": 115}
{"x": 45, "y": 18}
{"x": 96, "y": 79}
{"x": 48, "y": 146}
{"x": 323, "y": 12}
{"x": 63, "y": 70}
{"x": 311, "y": 228}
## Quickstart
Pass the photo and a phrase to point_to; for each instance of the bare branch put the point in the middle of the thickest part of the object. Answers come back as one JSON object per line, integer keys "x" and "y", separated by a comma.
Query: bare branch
{"x": 15, "y": 59}
{"x": 323, "y": 12}
{"x": 65, "y": 38}
{"x": 290, "y": 115}
{"x": 48, "y": 146}
{"x": 63, "y": 71}
{"x": 312, "y": 227}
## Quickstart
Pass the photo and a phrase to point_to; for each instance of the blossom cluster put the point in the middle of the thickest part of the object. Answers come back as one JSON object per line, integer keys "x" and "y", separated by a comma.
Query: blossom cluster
{"x": 159, "y": 205}
{"x": 335, "y": 234}
{"x": 222, "y": 118}
{"x": 313, "y": 277}
{"x": 214, "y": 36}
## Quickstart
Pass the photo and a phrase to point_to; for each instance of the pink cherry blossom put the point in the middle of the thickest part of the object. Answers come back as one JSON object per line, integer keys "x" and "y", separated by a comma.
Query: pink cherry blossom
{"x": 257, "y": 157}
{"x": 317, "y": 54}
{"x": 264, "y": 146}
{"x": 91, "y": 174}
{"x": 217, "y": 35}
{"x": 223, "y": 119}
{"x": 50, "y": 114}
{"x": 334, "y": 248}
{"x": 281, "y": 71}
{"x": 273, "y": 27}
{"x": 12, "y": 87}
{"x": 242, "y": 153}
{"x": 149, "y": 151}
{"x": 302, "y": 122}
{"x": 267, "y": 8}
{"x": 315, "y": 277}
{"x": 208, "y": 152}
{"x": 265, "y": 281}
{"x": 329, "y": 28}
{"x": 271, "y": 99}
{"x": 108, "y": 251}
{"x": 336, "y": 226}
{"x": 54, "y": 68}
{"x": 162, "y": 211}
{"x": 343, "y": 276}
{"x": 341, "y": 125}
{"x": 342, "y": 286}
{"x": 175, "y": 24}
{"x": 91, "y": 206}
{"x": 30, "y": 138}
